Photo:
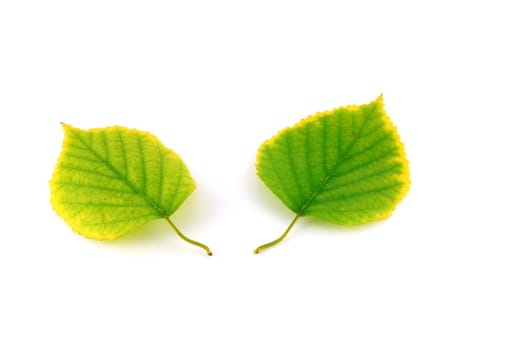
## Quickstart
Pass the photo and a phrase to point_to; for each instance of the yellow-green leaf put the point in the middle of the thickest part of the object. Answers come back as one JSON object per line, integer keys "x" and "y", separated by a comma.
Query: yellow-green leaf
{"x": 346, "y": 166}
{"x": 110, "y": 181}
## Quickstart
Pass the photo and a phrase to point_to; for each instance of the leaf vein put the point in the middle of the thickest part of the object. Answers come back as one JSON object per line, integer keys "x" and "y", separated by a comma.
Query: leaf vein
{"x": 365, "y": 177}
{"x": 386, "y": 156}
{"x": 142, "y": 195}
{"x": 124, "y": 153}
{"x": 127, "y": 219}
{"x": 88, "y": 171}
{"x": 102, "y": 204}
{"x": 271, "y": 162}
{"x": 376, "y": 143}
{"x": 161, "y": 172}
{"x": 293, "y": 170}
{"x": 81, "y": 157}
{"x": 347, "y": 209}
{"x": 324, "y": 151}
{"x": 106, "y": 147}
{"x": 308, "y": 157}
{"x": 333, "y": 170}
{"x": 179, "y": 176}
{"x": 360, "y": 194}
{"x": 143, "y": 163}
{"x": 95, "y": 187}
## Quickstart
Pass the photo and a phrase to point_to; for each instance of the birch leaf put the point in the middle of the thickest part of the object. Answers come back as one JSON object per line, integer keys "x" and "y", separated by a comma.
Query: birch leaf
{"x": 111, "y": 181}
{"x": 346, "y": 166}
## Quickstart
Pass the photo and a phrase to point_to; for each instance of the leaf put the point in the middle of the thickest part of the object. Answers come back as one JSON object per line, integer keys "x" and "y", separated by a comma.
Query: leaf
{"x": 111, "y": 181}
{"x": 346, "y": 166}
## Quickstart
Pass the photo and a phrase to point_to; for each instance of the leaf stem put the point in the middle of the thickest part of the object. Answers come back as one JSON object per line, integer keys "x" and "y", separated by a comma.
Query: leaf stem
{"x": 191, "y": 241}
{"x": 278, "y": 240}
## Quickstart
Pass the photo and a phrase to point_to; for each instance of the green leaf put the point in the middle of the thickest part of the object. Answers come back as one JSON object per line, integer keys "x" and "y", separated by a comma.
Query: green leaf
{"x": 110, "y": 181}
{"x": 346, "y": 166}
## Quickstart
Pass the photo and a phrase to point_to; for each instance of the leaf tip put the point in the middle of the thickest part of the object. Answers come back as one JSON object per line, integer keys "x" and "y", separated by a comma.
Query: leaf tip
{"x": 66, "y": 127}
{"x": 379, "y": 100}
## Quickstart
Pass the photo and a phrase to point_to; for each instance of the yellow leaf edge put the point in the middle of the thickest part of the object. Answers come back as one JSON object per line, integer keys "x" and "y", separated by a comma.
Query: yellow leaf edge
{"x": 403, "y": 177}
{"x": 58, "y": 207}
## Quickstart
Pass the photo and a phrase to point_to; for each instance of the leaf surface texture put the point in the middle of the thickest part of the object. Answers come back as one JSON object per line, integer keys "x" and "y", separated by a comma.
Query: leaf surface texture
{"x": 111, "y": 181}
{"x": 346, "y": 166}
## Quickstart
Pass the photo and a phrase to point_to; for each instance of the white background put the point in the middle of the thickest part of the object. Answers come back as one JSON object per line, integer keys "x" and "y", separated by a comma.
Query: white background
{"x": 213, "y": 80}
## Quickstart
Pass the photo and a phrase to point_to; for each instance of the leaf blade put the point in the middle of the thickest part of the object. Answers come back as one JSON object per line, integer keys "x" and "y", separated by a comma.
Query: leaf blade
{"x": 349, "y": 165}
{"x": 126, "y": 184}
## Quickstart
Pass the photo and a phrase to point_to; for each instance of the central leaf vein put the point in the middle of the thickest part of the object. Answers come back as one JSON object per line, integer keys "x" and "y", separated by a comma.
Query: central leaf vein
{"x": 336, "y": 166}
{"x": 124, "y": 179}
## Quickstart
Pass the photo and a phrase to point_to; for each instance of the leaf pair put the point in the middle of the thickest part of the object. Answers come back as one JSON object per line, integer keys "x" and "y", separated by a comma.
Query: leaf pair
{"x": 346, "y": 166}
